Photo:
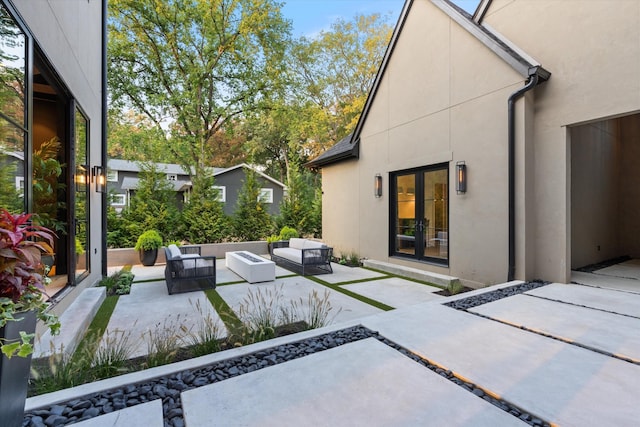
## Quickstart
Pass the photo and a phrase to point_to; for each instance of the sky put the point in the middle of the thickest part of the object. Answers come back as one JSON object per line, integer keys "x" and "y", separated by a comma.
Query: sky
{"x": 309, "y": 17}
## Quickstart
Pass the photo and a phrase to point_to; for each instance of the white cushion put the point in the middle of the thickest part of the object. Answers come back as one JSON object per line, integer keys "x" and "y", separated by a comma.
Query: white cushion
{"x": 310, "y": 244}
{"x": 174, "y": 251}
{"x": 292, "y": 254}
{"x": 196, "y": 262}
{"x": 296, "y": 243}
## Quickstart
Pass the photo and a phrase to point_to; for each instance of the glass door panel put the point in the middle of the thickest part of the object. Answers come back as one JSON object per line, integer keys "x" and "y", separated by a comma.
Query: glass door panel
{"x": 81, "y": 184}
{"x": 436, "y": 215}
{"x": 405, "y": 225}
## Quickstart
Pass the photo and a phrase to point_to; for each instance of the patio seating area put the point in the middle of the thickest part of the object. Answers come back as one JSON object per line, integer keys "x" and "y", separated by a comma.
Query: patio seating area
{"x": 558, "y": 354}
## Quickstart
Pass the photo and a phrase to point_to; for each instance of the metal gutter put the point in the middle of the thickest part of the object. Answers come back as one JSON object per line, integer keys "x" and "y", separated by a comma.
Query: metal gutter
{"x": 537, "y": 75}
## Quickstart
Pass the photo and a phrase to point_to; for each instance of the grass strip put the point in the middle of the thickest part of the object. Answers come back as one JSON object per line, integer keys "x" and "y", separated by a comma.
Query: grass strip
{"x": 359, "y": 297}
{"x": 98, "y": 325}
{"x": 228, "y": 317}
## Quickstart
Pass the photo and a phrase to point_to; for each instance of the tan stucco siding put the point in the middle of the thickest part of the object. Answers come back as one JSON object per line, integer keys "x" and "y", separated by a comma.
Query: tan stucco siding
{"x": 593, "y": 50}
{"x": 433, "y": 107}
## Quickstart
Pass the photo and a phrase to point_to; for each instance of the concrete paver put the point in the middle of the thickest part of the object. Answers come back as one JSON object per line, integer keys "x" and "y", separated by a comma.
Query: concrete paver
{"x": 605, "y": 281}
{"x": 597, "y": 329}
{"x": 149, "y": 309}
{"x": 628, "y": 269}
{"x": 558, "y": 382}
{"x": 342, "y": 273}
{"x": 603, "y": 299}
{"x": 146, "y": 414}
{"x": 364, "y": 383}
{"x": 298, "y": 289}
{"x": 395, "y": 292}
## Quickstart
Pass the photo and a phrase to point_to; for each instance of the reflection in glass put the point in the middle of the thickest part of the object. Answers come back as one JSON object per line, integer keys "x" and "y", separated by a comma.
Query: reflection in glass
{"x": 81, "y": 196}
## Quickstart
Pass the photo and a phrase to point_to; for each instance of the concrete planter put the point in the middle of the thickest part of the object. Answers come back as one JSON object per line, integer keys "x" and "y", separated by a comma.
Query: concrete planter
{"x": 14, "y": 372}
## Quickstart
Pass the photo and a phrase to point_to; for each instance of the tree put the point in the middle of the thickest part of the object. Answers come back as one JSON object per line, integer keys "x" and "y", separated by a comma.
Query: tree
{"x": 296, "y": 207}
{"x": 335, "y": 72}
{"x": 195, "y": 64}
{"x": 251, "y": 220}
{"x": 134, "y": 137}
{"x": 153, "y": 207}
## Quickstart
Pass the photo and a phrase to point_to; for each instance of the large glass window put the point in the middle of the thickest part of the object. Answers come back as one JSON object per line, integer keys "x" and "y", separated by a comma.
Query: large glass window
{"x": 13, "y": 123}
{"x": 420, "y": 214}
{"x": 81, "y": 194}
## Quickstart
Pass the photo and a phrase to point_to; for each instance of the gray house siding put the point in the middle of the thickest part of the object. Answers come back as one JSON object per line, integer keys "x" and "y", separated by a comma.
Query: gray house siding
{"x": 233, "y": 180}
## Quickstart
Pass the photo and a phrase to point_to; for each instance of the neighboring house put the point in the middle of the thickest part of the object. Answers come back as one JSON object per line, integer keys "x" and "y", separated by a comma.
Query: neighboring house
{"x": 53, "y": 87}
{"x": 551, "y": 145}
{"x": 123, "y": 178}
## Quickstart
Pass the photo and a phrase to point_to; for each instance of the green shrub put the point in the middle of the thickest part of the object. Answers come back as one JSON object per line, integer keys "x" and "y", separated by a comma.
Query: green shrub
{"x": 287, "y": 233}
{"x": 149, "y": 240}
{"x": 455, "y": 287}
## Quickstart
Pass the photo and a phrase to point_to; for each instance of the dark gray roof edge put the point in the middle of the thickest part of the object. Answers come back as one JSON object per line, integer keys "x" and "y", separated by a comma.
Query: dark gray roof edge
{"x": 498, "y": 46}
{"x": 339, "y": 152}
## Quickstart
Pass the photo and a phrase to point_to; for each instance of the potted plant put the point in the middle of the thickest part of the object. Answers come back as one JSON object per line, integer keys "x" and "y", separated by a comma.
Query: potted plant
{"x": 22, "y": 286}
{"x": 147, "y": 246}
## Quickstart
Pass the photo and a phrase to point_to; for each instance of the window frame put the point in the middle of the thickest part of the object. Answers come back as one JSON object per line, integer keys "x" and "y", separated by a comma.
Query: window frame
{"x": 222, "y": 195}
{"x": 268, "y": 192}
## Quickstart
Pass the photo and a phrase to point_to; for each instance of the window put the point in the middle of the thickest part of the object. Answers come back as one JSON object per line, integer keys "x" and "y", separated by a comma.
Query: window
{"x": 266, "y": 195}
{"x": 112, "y": 176}
{"x": 420, "y": 214}
{"x": 118, "y": 199}
{"x": 172, "y": 177}
{"x": 221, "y": 192}
{"x": 20, "y": 184}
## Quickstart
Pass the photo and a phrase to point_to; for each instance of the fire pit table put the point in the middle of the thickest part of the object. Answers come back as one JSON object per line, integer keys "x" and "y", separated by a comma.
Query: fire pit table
{"x": 251, "y": 267}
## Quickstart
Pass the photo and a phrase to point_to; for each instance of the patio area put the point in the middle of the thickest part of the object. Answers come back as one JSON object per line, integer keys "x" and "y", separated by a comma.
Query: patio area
{"x": 556, "y": 354}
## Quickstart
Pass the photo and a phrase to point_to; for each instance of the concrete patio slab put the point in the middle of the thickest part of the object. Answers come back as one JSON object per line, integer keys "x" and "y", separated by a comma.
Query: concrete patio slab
{"x": 395, "y": 292}
{"x": 335, "y": 388}
{"x": 146, "y": 414}
{"x": 143, "y": 273}
{"x": 556, "y": 381}
{"x": 342, "y": 273}
{"x": 597, "y": 329}
{"x": 149, "y": 308}
{"x": 627, "y": 269}
{"x": 298, "y": 289}
{"x": 607, "y": 282}
{"x": 588, "y": 296}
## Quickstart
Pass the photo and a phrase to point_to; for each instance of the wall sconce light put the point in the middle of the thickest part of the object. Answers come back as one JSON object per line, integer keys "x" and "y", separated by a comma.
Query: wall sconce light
{"x": 81, "y": 178}
{"x": 461, "y": 177}
{"x": 100, "y": 179}
{"x": 377, "y": 185}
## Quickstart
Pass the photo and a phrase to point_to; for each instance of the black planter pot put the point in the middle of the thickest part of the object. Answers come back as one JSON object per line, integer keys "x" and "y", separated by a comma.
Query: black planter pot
{"x": 14, "y": 372}
{"x": 148, "y": 258}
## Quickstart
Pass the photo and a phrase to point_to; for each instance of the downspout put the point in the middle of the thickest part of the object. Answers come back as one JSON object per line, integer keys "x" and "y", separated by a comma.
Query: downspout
{"x": 531, "y": 83}
{"x": 104, "y": 135}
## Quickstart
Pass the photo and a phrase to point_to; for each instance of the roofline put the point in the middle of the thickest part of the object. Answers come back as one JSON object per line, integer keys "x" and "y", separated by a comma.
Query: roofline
{"x": 354, "y": 153}
{"x": 481, "y": 10}
{"x": 265, "y": 176}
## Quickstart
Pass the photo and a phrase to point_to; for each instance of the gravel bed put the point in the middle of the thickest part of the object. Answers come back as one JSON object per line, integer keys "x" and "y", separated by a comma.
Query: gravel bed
{"x": 168, "y": 388}
{"x": 487, "y": 297}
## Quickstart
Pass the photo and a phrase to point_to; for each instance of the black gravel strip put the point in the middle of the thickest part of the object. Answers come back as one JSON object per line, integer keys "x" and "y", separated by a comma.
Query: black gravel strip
{"x": 487, "y": 297}
{"x": 168, "y": 389}
{"x": 604, "y": 264}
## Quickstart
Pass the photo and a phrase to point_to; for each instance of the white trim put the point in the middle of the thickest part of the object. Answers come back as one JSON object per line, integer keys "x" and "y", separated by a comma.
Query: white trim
{"x": 222, "y": 195}
{"x": 266, "y": 195}
{"x": 172, "y": 176}
{"x": 20, "y": 184}
{"x": 119, "y": 200}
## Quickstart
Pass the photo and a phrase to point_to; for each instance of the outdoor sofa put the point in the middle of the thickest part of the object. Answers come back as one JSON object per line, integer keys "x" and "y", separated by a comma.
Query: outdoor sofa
{"x": 309, "y": 256}
{"x": 187, "y": 270}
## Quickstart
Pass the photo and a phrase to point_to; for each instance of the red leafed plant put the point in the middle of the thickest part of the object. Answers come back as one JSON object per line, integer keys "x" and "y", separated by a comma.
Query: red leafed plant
{"x": 22, "y": 277}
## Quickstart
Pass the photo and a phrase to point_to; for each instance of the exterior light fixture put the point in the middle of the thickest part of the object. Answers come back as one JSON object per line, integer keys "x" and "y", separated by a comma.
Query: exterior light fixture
{"x": 100, "y": 179}
{"x": 377, "y": 185}
{"x": 461, "y": 177}
{"x": 81, "y": 178}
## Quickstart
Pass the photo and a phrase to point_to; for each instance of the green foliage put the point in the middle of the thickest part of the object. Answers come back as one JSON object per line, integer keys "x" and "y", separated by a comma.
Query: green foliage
{"x": 10, "y": 197}
{"x": 162, "y": 343}
{"x": 287, "y": 233}
{"x": 455, "y": 287}
{"x": 251, "y": 220}
{"x": 149, "y": 240}
{"x": 296, "y": 207}
{"x": 204, "y": 221}
{"x": 153, "y": 207}
{"x": 204, "y": 340}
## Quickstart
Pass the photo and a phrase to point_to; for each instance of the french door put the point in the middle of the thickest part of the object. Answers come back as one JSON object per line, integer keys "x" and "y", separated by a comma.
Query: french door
{"x": 419, "y": 214}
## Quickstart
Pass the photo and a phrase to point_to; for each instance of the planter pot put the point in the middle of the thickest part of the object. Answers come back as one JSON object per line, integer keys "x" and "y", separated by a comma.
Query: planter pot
{"x": 148, "y": 258}
{"x": 14, "y": 373}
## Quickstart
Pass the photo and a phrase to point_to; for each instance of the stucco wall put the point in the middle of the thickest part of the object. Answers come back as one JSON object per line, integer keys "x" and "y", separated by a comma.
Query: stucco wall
{"x": 443, "y": 98}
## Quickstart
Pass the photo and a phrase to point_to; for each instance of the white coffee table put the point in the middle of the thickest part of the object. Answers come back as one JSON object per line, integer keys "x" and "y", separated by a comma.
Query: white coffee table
{"x": 251, "y": 267}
